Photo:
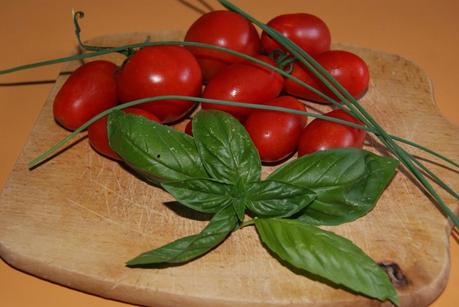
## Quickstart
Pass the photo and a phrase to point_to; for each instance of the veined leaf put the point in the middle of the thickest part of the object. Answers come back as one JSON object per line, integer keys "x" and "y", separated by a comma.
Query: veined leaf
{"x": 326, "y": 254}
{"x": 203, "y": 195}
{"x": 226, "y": 150}
{"x": 156, "y": 151}
{"x": 188, "y": 248}
{"x": 347, "y": 181}
{"x": 272, "y": 198}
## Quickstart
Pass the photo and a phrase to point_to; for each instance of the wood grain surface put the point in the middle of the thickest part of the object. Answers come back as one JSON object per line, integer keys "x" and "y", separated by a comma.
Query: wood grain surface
{"x": 76, "y": 219}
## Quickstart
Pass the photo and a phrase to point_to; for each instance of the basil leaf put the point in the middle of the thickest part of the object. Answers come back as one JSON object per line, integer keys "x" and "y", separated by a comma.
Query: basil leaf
{"x": 227, "y": 152}
{"x": 326, "y": 254}
{"x": 239, "y": 208}
{"x": 272, "y": 198}
{"x": 187, "y": 248}
{"x": 203, "y": 195}
{"x": 156, "y": 151}
{"x": 348, "y": 182}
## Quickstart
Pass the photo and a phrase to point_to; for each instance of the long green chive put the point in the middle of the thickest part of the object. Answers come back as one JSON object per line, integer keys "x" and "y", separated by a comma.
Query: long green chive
{"x": 242, "y": 55}
{"x": 381, "y": 134}
{"x": 44, "y": 156}
{"x": 354, "y": 107}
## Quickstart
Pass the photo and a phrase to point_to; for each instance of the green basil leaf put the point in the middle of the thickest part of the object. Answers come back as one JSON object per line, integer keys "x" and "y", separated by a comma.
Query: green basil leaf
{"x": 156, "y": 151}
{"x": 187, "y": 248}
{"x": 272, "y": 198}
{"x": 203, "y": 195}
{"x": 239, "y": 208}
{"x": 326, "y": 254}
{"x": 227, "y": 152}
{"x": 347, "y": 181}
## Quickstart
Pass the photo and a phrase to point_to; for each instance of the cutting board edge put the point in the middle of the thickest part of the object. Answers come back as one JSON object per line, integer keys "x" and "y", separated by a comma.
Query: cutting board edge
{"x": 132, "y": 295}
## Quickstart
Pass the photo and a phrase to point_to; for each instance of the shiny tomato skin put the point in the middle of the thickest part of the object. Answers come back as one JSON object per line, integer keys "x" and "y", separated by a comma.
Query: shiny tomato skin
{"x": 243, "y": 82}
{"x": 307, "y": 31}
{"x": 98, "y": 137}
{"x": 161, "y": 70}
{"x": 89, "y": 90}
{"x": 321, "y": 134}
{"x": 359, "y": 134}
{"x": 348, "y": 69}
{"x": 276, "y": 134}
{"x": 224, "y": 29}
{"x": 295, "y": 89}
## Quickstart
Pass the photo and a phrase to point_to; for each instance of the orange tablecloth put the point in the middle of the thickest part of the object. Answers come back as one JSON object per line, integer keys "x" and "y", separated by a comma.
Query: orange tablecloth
{"x": 423, "y": 31}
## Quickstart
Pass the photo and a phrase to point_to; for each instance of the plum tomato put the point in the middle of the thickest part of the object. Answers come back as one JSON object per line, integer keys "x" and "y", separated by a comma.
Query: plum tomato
{"x": 321, "y": 134}
{"x": 347, "y": 68}
{"x": 276, "y": 134}
{"x": 98, "y": 137}
{"x": 89, "y": 90}
{"x": 161, "y": 70}
{"x": 224, "y": 29}
{"x": 243, "y": 82}
{"x": 307, "y": 31}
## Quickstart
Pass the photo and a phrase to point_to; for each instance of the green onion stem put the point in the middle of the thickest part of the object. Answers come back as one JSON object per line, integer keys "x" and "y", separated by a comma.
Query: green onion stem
{"x": 354, "y": 107}
{"x": 436, "y": 179}
{"x": 44, "y": 156}
{"x": 360, "y": 113}
{"x": 61, "y": 143}
{"x": 242, "y": 55}
{"x": 65, "y": 140}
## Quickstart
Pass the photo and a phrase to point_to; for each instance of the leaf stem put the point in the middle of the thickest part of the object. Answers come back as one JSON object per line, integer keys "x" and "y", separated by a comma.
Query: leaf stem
{"x": 247, "y": 223}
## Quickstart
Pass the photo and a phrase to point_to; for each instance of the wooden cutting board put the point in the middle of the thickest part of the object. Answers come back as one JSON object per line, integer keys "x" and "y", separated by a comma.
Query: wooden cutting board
{"x": 76, "y": 219}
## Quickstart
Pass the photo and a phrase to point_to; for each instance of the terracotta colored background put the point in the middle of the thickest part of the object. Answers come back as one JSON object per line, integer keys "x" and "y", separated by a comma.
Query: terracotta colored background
{"x": 423, "y": 31}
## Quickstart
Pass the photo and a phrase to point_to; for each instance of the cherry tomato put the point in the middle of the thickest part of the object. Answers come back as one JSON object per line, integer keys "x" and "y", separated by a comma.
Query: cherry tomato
{"x": 347, "y": 68}
{"x": 97, "y": 133}
{"x": 89, "y": 90}
{"x": 224, "y": 29}
{"x": 243, "y": 82}
{"x": 276, "y": 134}
{"x": 307, "y": 31}
{"x": 161, "y": 70}
{"x": 321, "y": 134}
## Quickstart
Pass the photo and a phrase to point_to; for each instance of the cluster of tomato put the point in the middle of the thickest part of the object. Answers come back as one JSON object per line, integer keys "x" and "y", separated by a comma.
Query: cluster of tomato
{"x": 176, "y": 70}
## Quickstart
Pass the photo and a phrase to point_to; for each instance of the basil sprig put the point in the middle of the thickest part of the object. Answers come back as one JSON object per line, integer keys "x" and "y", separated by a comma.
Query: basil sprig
{"x": 218, "y": 172}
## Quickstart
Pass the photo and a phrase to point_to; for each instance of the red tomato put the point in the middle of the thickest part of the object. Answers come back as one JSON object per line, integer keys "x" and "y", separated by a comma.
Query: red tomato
{"x": 97, "y": 133}
{"x": 224, "y": 29}
{"x": 321, "y": 134}
{"x": 276, "y": 134}
{"x": 243, "y": 82}
{"x": 161, "y": 70}
{"x": 88, "y": 91}
{"x": 307, "y": 31}
{"x": 347, "y": 68}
